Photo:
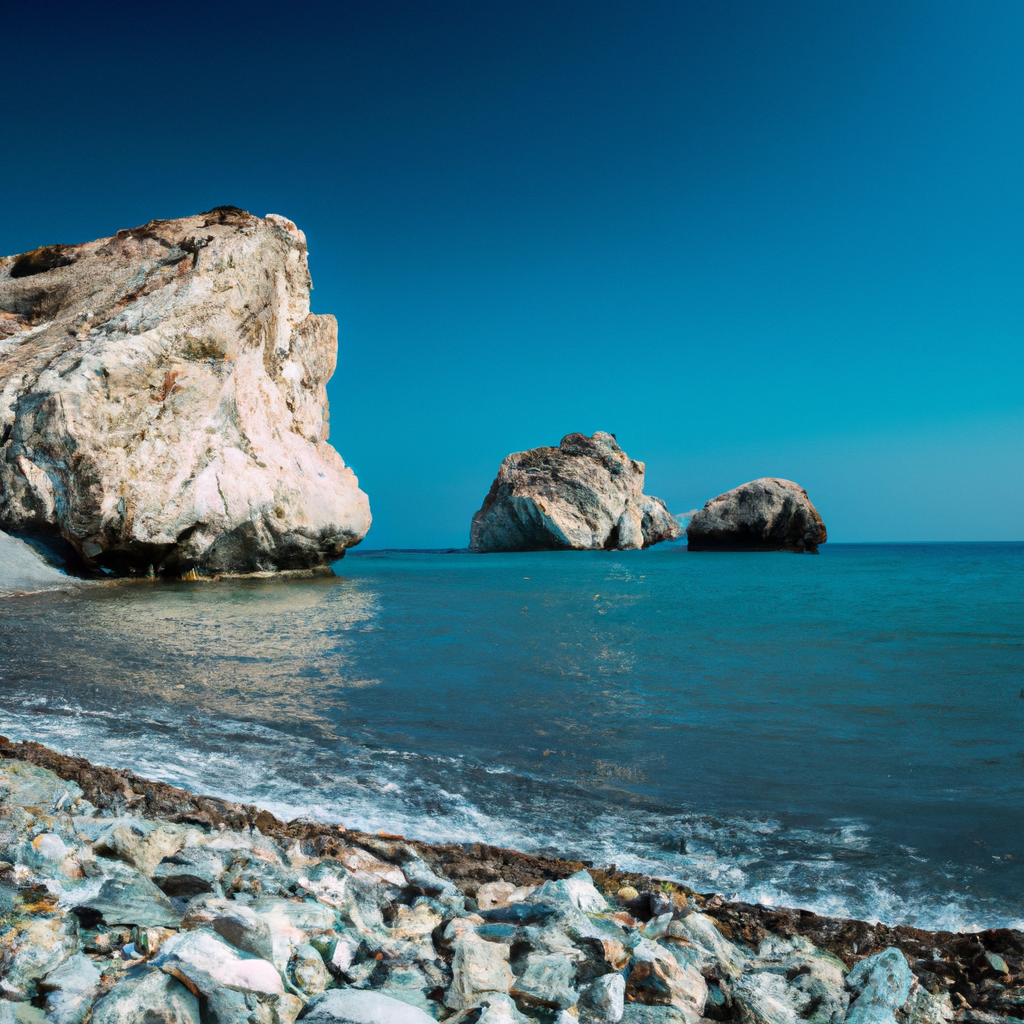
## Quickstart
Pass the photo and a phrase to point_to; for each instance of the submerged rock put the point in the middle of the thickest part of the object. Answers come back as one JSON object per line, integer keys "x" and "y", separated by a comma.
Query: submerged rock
{"x": 584, "y": 494}
{"x": 764, "y": 515}
{"x": 163, "y": 400}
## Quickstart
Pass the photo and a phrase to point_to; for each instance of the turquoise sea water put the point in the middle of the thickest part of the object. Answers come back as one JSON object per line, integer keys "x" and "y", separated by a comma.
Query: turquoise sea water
{"x": 842, "y": 732}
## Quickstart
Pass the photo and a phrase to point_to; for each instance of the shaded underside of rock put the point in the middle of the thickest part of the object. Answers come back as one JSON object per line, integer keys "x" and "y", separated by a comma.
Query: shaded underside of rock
{"x": 764, "y": 515}
{"x": 585, "y": 494}
{"x": 163, "y": 400}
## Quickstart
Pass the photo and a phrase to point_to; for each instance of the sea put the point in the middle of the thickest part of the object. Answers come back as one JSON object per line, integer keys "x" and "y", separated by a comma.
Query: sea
{"x": 841, "y": 732}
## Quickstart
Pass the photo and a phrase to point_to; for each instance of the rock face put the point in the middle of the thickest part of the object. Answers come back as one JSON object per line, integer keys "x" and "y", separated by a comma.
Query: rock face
{"x": 765, "y": 515}
{"x": 584, "y": 494}
{"x": 163, "y": 401}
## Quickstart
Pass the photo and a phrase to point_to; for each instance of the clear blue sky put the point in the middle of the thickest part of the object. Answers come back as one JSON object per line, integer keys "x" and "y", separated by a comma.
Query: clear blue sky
{"x": 750, "y": 238}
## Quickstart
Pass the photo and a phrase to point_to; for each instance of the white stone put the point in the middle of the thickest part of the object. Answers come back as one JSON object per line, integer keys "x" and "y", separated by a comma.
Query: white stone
{"x": 206, "y": 962}
{"x": 356, "y": 1006}
{"x": 478, "y": 968}
{"x": 585, "y": 494}
{"x": 163, "y": 401}
{"x": 605, "y": 997}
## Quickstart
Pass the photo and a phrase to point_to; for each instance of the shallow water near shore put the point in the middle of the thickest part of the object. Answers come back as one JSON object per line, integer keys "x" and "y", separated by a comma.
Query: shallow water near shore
{"x": 842, "y": 733}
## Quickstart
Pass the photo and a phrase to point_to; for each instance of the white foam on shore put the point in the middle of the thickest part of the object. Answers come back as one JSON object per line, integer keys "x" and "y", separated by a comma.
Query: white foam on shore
{"x": 23, "y": 571}
{"x": 373, "y": 790}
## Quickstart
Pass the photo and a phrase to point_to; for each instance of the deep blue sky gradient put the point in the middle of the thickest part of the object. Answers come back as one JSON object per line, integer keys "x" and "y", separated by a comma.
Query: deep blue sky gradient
{"x": 750, "y": 238}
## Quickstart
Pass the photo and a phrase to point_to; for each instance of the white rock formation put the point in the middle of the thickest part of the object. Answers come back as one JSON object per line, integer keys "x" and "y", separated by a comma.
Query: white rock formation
{"x": 163, "y": 400}
{"x": 587, "y": 494}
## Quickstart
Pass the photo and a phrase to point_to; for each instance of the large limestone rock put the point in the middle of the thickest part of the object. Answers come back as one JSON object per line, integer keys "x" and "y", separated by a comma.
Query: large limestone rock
{"x": 163, "y": 402}
{"x": 765, "y": 515}
{"x": 586, "y": 493}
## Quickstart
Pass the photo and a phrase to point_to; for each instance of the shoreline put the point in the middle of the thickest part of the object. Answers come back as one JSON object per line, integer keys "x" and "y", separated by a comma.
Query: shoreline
{"x": 977, "y": 976}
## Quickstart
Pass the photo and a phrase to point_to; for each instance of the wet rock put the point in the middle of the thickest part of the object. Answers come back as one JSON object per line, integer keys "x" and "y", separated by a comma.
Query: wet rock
{"x": 764, "y": 515}
{"x": 145, "y": 995}
{"x": 547, "y": 980}
{"x": 585, "y": 494}
{"x": 164, "y": 401}
{"x": 70, "y": 989}
{"x": 604, "y": 998}
{"x": 879, "y": 986}
{"x": 352, "y": 1006}
{"x": 479, "y": 968}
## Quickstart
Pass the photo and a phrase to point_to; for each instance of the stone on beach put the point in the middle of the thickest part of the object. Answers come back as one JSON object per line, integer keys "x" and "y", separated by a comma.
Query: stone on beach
{"x": 879, "y": 985}
{"x": 764, "y": 515}
{"x": 145, "y": 995}
{"x": 353, "y": 1006}
{"x": 605, "y": 997}
{"x": 204, "y": 962}
{"x": 163, "y": 402}
{"x": 479, "y": 968}
{"x": 585, "y": 494}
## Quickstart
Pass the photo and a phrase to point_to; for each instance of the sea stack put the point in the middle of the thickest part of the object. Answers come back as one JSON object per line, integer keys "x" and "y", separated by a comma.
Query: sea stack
{"x": 586, "y": 494}
{"x": 163, "y": 400}
{"x": 764, "y": 515}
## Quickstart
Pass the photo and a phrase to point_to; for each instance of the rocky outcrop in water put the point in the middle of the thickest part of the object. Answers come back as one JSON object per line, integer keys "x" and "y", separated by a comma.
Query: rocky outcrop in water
{"x": 764, "y": 515}
{"x": 134, "y": 901}
{"x": 163, "y": 400}
{"x": 584, "y": 494}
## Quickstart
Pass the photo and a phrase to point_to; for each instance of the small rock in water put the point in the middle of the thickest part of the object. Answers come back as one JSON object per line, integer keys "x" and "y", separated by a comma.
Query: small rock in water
{"x": 585, "y": 494}
{"x": 764, "y": 515}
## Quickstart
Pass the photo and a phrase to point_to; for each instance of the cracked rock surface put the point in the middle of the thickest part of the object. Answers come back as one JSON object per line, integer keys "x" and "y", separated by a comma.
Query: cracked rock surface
{"x": 163, "y": 400}
{"x": 585, "y": 494}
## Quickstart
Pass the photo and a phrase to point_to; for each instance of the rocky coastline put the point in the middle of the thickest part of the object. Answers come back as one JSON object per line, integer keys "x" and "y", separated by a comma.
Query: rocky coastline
{"x": 128, "y": 900}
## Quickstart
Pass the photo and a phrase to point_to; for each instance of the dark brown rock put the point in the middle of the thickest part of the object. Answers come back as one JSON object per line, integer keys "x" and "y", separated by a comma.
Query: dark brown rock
{"x": 764, "y": 515}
